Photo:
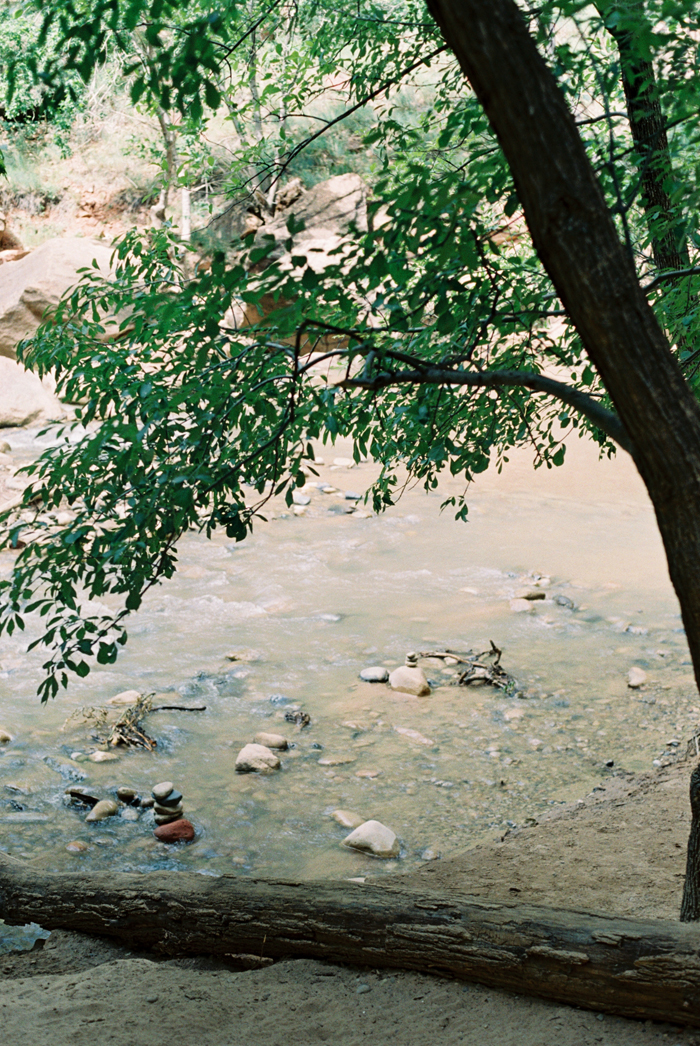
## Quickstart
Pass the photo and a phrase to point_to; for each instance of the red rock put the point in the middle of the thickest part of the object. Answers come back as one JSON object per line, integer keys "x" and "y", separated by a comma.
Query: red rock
{"x": 176, "y": 832}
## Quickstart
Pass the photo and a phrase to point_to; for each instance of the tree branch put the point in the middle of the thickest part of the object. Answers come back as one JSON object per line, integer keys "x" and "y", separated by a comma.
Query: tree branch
{"x": 604, "y": 419}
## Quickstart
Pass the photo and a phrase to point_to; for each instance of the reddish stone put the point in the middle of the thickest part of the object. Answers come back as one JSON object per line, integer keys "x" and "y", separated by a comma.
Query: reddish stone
{"x": 176, "y": 832}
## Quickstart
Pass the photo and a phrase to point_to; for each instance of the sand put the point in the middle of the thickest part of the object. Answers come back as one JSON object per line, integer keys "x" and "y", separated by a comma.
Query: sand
{"x": 621, "y": 849}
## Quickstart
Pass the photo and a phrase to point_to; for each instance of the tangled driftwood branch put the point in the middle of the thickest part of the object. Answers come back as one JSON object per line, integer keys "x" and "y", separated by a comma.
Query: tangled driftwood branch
{"x": 483, "y": 668}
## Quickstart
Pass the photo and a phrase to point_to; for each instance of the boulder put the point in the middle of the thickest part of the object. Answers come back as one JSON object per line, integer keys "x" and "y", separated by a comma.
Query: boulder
{"x": 409, "y": 680}
{"x": 31, "y": 288}
{"x": 256, "y": 759}
{"x": 373, "y": 838}
{"x": 272, "y": 741}
{"x": 23, "y": 396}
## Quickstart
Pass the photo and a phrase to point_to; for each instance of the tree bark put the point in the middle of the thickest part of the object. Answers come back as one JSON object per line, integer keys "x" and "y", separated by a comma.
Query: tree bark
{"x": 643, "y": 969}
{"x": 575, "y": 237}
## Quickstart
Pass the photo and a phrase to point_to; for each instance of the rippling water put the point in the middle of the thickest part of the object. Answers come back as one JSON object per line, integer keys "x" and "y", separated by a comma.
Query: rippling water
{"x": 317, "y": 598}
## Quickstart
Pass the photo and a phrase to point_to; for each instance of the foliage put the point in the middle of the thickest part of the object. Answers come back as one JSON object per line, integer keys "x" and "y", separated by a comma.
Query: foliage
{"x": 428, "y": 339}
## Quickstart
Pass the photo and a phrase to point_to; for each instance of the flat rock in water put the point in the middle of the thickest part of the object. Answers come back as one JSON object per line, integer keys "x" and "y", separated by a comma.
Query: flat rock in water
{"x": 409, "y": 681}
{"x": 413, "y": 735}
{"x": 82, "y": 795}
{"x": 126, "y": 697}
{"x": 77, "y": 847}
{"x": 300, "y": 499}
{"x": 528, "y": 593}
{"x": 162, "y": 791}
{"x": 181, "y": 831}
{"x": 521, "y": 606}
{"x": 100, "y": 811}
{"x": 272, "y": 741}
{"x": 256, "y": 759}
{"x": 375, "y": 674}
{"x": 103, "y": 757}
{"x": 373, "y": 838}
{"x": 636, "y": 677}
{"x": 347, "y": 819}
{"x": 336, "y": 760}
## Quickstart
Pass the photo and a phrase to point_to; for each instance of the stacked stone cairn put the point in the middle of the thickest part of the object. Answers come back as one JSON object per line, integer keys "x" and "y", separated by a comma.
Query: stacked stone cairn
{"x": 168, "y": 810}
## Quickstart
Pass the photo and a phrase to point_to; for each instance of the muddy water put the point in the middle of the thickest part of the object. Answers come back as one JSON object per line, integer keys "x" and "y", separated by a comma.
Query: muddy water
{"x": 311, "y": 600}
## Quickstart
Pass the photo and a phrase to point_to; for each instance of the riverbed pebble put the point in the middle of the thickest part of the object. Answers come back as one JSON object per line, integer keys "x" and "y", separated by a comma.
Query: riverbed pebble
{"x": 373, "y": 838}
{"x": 521, "y": 606}
{"x": 181, "y": 831}
{"x": 5, "y": 448}
{"x": 300, "y": 499}
{"x": 146, "y": 801}
{"x": 336, "y": 760}
{"x": 272, "y": 741}
{"x": 162, "y": 790}
{"x": 127, "y": 795}
{"x": 129, "y": 813}
{"x": 375, "y": 674}
{"x": 347, "y": 819}
{"x": 169, "y": 801}
{"x": 256, "y": 759}
{"x": 80, "y": 794}
{"x": 77, "y": 847}
{"x": 102, "y": 810}
{"x": 103, "y": 757}
{"x": 126, "y": 697}
{"x": 5, "y": 737}
{"x": 636, "y": 677}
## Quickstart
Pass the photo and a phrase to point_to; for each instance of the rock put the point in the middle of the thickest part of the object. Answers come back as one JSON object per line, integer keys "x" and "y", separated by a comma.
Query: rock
{"x": 100, "y": 811}
{"x": 368, "y": 774}
{"x": 247, "y": 656}
{"x": 103, "y": 757}
{"x": 256, "y": 759}
{"x": 175, "y": 815}
{"x": 362, "y": 989}
{"x": 373, "y": 838}
{"x": 413, "y": 735}
{"x": 347, "y": 819}
{"x": 300, "y": 499}
{"x": 375, "y": 674}
{"x": 5, "y": 738}
{"x": 564, "y": 601}
{"x": 409, "y": 679}
{"x": 527, "y": 593}
{"x": 77, "y": 847}
{"x": 336, "y": 760}
{"x": 636, "y": 677}
{"x": 23, "y": 396}
{"x": 299, "y": 510}
{"x": 350, "y": 495}
{"x": 162, "y": 790}
{"x": 272, "y": 741}
{"x": 33, "y": 286}
{"x": 5, "y": 447}
{"x": 146, "y": 802}
{"x": 127, "y": 795}
{"x": 171, "y": 800}
{"x": 181, "y": 831}
{"x": 129, "y": 813}
{"x": 343, "y": 463}
{"x": 127, "y": 697}
{"x": 430, "y": 854}
{"x": 521, "y": 606}
{"x": 82, "y": 795}
{"x": 168, "y": 811}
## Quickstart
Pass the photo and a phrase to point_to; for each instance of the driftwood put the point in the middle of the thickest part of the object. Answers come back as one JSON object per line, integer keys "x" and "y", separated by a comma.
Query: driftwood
{"x": 482, "y": 668}
{"x": 635, "y": 968}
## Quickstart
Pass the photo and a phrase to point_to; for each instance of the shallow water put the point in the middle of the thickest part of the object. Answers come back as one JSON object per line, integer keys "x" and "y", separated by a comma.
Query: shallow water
{"x": 319, "y": 597}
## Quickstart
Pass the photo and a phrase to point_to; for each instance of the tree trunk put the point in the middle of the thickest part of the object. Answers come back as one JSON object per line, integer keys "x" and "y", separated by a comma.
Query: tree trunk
{"x": 643, "y": 969}
{"x": 576, "y": 239}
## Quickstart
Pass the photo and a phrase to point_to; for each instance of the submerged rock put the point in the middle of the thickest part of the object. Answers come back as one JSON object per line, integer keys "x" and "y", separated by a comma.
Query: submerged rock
{"x": 347, "y": 819}
{"x": 373, "y": 838}
{"x": 256, "y": 759}
{"x": 77, "y": 847}
{"x": 102, "y": 810}
{"x": 181, "y": 831}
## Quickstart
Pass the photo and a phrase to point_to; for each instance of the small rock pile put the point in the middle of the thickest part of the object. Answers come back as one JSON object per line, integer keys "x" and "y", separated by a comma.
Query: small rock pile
{"x": 168, "y": 810}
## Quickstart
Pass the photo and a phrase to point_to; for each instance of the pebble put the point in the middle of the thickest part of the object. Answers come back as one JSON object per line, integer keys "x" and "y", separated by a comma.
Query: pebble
{"x": 413, "y": 735}
{"x": 346, "y": 463}
{"x": 77, "y": 847}
{"x": 564, "y": 601}
{"x": 5, "y": 448}
{"x": 100, "y": 811}
{"x": 126, "y": 697}
{"x": 127, "y": 795}
{"x": 351, "y": 495}
{"x": 431, "y": 854}
{"x": 369, "y": 774}
{"x": 347, "y": 819}
{"x": 300, "y": 499}
{"x": 172, "y": 799}
{"x": 636, "y": 677}
{"x": 162, "y": 790}
{"x": 82, "y": 795}
{"x": 527, "y": 593}
{"x": 256, "y": 759}
{"x": 129, "y": 813}
{"x": 244, "y": 655}
{"x": 181, "y": 831}
{"x": 146, "y": 802}
{"x": 521, "y": 606}
{"x": 272, "y": 741}
{"x": 103, "y": 757}
{"x": 409, "y": 680}
{"x": 168, "y": 818}
{"x": 5, "y": 738}
{"x": 336, "y": 760}
{"x": 373, "y": 838}
{"x": 362, "y": 989}
{"x": 375, "y": 674}
{"x": 64, "y": 518}
{"x": 299, "y": 510}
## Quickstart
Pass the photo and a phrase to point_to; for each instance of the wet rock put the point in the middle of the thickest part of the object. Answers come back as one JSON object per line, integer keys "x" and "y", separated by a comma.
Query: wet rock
{"x": 564, "y": 601}
{"x": 521, "y": 606}
{"x": 181, "y": 831}
{"x": 347, "y": 819}
{"x": 368, "y": 774}
{"x": 528, "y": 593}
{"x": 375, "y": 674}
{"x": 102, "y": 810}
{"x": 162, "y": 790}
{"x": 409, "y": 678}
{"x": 78, "y": 794}
{"x": 351, "y": 495}
{"x": 256, "y": 759}
{"x": 77, "y": 847}
{"x": 637, "y": 630}
{"x": 5, "y": 448}
{"x": 102, "y": 757}
{"x": 336, "y": 760}
{"x": 129, "y": 813}
{"x": 300, "y": 499}
{"x": 413, "y": 735}
{"x": 248, "y": 656}
{"x": 5, "y": 738}
{"x": 146, "y": 802}
{"x": 272, "y": 741}
{"x": 636, "y": 677}
{"x": 301, "y": 719}
{"x": 126, "y": 697}
{"x": 373, "y": 838}
{"x": 169, "y": 801}
{"x": 169, "y": 816}
{"x": 127, "y": 795}
{"x": 431, "y": 853}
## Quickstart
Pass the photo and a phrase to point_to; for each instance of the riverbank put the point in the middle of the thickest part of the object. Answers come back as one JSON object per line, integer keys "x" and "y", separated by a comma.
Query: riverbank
{"x": 619, "y": 850}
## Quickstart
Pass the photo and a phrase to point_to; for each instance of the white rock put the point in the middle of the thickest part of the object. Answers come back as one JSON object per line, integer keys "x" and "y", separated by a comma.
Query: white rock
{"x": 23, "y": 396}
{"x": 127, "y": 697}
{"x": 103, "y": 757}
{"x": 272, "y": 741}
{"x": 413, "y": 735}
{"x": 105, "y": 808}
{"x": 409, "y": 681}
{"x": 256, "y": 759}
{"x": 373, "y": 838}
{"x": 336, "y": 760}
{"x": 636, "y": 677}
{"x": 521, "y": 606}
{"x": 346, "y": 463}
{"x": 375, "y": 674}
{"x": 347, "y": 819}
{"x": 300, "y": 499}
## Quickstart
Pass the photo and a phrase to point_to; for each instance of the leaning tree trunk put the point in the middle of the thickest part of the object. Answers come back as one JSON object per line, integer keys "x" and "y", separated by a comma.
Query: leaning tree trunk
{"x": 575, "y": 237}
{"x": 635, "y": 968}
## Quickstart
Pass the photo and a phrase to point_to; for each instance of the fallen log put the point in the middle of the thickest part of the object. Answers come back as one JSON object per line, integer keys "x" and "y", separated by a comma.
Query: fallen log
{"x": 630, "y": 967}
